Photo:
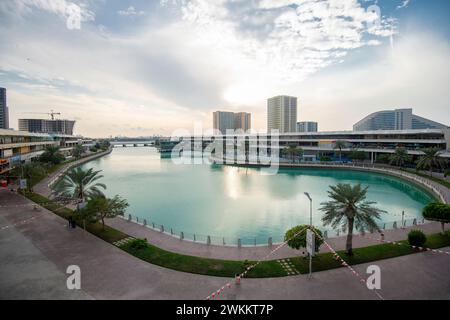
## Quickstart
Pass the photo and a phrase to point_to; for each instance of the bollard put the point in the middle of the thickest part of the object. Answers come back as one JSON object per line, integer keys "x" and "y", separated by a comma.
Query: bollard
{"x": 239, "y": 243}
{"x": 269, "y": 241}
{"x": 237, "y": 278}
{"x": 145, "y": 222}
{"x": 171, "y": 232}
{"x": 382, "y": 237}
{"x": 129, "y": 217}
{"x": 208, "y": 240}
{"x": 181, "y": 235}
{"x": 162, "y": 228}
{"x": 415, "y": 222}
{"x": 394, "y": 225}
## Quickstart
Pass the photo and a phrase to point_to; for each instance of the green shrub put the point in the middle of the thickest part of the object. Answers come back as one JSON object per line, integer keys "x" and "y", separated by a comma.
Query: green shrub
{"x": 416, "y": 238}
{"x": 325, "y": 158}
{"x": 437, "y": 211}
{"x": 139, "y": 244}
{"x": 296, "y": 238}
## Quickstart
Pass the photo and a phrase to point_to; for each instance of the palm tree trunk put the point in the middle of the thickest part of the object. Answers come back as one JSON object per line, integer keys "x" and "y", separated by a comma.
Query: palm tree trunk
{"x": 348, "y": 245}
{"x": 443, "y": 227}
{"x": 103, "y": 223}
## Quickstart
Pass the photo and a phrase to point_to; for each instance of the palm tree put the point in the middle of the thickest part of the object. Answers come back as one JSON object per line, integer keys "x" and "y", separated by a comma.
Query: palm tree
{"x": 399, "y": 157}
{"x": 431, "y": 160}
{"x": 100, "y": 207}
{"x": 52, "y": 155}
{"x": 340, "y": 144}
{"x": 80, "y": 184}
{"x": 78, "y": 151}
{"x": 33, "y": 172}
{"x": 292, "y": 151}
{"x": 348, "y": 209}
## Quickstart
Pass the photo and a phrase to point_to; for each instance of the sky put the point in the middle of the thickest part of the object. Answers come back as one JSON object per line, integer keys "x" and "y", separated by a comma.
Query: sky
{"x": 144, "y": 67}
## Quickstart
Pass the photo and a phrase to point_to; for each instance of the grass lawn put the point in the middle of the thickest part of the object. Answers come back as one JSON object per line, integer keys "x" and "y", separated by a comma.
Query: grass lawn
{"x": 108, "y": 234}
{"x": 271, "y": 268}
{"x": 228, "y": 268}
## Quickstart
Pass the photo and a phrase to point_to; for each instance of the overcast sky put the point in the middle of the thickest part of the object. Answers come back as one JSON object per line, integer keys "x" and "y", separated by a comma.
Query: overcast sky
{"x": 150, "y": 67}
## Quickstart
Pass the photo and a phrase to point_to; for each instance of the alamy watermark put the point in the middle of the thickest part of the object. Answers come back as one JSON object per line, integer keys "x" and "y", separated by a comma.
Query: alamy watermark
{"x": 73, "y": 281}
{"x": 237, "y": 147}
{"x": 374, "y": 280}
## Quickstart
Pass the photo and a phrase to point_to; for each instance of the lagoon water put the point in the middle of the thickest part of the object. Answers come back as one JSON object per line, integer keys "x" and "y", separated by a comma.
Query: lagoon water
{"x": 233, "y": 202}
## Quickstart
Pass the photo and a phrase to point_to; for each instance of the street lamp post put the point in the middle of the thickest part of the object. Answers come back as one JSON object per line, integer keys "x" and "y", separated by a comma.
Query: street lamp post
{"x": 310, "y": 227}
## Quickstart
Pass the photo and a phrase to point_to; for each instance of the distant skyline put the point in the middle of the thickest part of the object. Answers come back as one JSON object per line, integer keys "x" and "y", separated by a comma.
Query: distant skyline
{"x": 138, "y": 68}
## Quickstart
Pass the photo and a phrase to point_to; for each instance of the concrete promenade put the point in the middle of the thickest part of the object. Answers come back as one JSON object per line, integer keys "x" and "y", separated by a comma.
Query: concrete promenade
{"x": 36, "y": 248}
{"x": 173, "y": 244}
{"x": 43, "y": 187}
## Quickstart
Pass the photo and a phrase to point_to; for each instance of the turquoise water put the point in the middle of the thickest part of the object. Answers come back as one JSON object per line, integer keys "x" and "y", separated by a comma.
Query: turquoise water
{"x": 234, "y": 202}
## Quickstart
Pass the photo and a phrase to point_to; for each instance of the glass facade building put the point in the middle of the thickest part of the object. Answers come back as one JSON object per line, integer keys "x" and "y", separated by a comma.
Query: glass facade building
{"x": 398, "y": 119}
{"x": 282, "y": 114}
{"x": 307, "y": 126}
{"x": 4, "y": 114}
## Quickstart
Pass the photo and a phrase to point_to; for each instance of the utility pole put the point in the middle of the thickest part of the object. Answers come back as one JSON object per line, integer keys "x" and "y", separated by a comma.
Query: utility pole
{"x": 310, "y": 234}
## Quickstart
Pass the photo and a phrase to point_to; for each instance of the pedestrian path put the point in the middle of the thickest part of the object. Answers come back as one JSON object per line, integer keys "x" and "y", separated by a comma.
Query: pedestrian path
{"x": 34, "y": 257}
{"x": 288, "y": 267}
{"x": 123, "y": 241}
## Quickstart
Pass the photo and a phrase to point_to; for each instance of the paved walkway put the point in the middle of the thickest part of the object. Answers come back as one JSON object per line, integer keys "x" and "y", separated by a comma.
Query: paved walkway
{"x": 43, "y": 186}
{"x": 35, "y": 252}
{"x": 252, "y": 253}
{"x": 173, "y": 244}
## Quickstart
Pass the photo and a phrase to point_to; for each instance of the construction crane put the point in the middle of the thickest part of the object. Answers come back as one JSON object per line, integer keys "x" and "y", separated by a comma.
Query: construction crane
{"x": 51, "y": 113}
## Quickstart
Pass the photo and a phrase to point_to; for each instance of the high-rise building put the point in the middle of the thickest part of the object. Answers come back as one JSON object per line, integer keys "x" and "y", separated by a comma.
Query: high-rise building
{"x": 307, "y": 126}
{"x": 47, "y": 126}
{"x": 398, "y": 119}
{"x": 225, "y": 120}
{"x": 282, "y": 114}
{"x": 4, "y": 113}
{"x": 242, "y": 121}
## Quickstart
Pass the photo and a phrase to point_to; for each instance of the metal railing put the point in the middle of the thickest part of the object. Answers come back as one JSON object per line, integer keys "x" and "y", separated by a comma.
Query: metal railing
{"x": 258, "y": 241}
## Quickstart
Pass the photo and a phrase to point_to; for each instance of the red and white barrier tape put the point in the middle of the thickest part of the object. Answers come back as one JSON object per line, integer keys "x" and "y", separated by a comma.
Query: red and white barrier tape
{"x": 243, "y": 274}
{"x": 407, "y": 244}
{"x": 345, "y": 264}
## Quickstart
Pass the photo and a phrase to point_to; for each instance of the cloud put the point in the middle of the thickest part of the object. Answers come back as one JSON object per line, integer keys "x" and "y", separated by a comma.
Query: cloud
{"x": 174, "y": 67}
{"x": 131, "y": 11}
{"x": 62, "y": 8}
{"x": 404, "y": 4}
{"x": 275, "y": 41}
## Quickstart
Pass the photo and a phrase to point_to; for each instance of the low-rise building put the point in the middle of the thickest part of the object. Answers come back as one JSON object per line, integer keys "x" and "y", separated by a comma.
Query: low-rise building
{"x": 315, "y": 144}
{"x": 18, "y": 147}
{"x": 307, "y": 126}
